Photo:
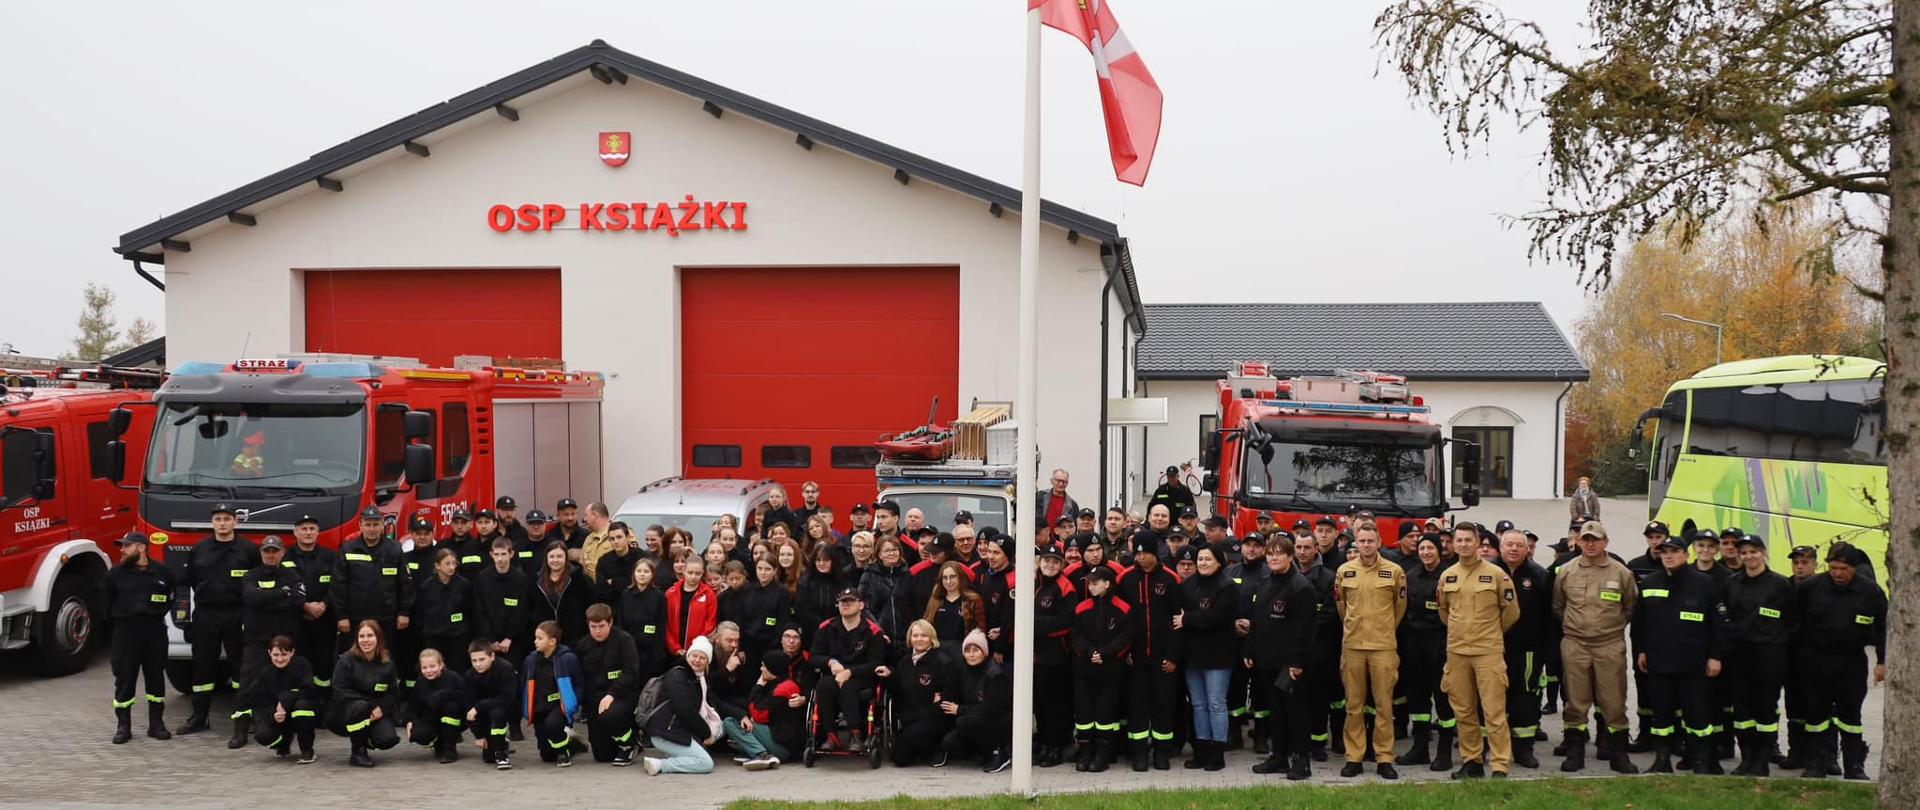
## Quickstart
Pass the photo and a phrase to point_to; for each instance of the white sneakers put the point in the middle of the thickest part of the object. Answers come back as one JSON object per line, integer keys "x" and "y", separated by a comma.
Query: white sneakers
{"x": 650, "y": 765}
{"x": 762, "y": 762}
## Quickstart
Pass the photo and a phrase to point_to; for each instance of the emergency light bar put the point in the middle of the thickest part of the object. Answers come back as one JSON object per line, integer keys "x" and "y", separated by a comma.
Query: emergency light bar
{"x": 1346, "y": 408}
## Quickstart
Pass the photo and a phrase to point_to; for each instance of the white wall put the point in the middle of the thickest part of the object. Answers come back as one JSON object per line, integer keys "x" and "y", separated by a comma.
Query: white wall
{"x": 620, "y": 293}
{"x": 1535, "y": 463}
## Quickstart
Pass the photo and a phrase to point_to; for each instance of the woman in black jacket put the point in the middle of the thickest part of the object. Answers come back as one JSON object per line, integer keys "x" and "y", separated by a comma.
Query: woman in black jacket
{"x": 1208, "y": 605}
{"x": 765, "y": 607}
{"x": 561, "y": 594}
{"x": 281, "y": 697}
{"x": 443, "y": 606}
{"x": 814, "y": 603}
{"x": 1423, "y": 654}
{"x": 885, "y": 586}
{"x": 642, "y": 612}
{"x": 981, "y": 710}
{"x": 683, "y": 724}
{"x": 954, "y": 609}
{"x": 365, "y": 689}
{"x": 922, "y": 678}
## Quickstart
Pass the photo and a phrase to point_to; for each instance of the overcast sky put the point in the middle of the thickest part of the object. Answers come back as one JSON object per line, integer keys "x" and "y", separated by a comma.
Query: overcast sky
{"x": 1287, "y": 170}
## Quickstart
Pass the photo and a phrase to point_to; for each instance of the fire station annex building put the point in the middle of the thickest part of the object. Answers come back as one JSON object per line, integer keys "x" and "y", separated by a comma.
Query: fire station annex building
{"x": 767, "y": 293}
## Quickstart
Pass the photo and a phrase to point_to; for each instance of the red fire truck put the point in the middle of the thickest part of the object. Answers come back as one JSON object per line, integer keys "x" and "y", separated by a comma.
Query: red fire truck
{"x": 326, "y": 435}
{"x": 62, "y": 506}
{"x": 1328, "y": 446}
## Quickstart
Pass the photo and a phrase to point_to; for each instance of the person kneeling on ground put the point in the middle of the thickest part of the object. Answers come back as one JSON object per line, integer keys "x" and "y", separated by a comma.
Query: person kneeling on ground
{"x": 495, "y": 691}
{"x": 920, "y": 681}
{"x": 282, "y": 699}
{"x": 684, "y": 722}
{"x": 775, "y": 725}
{"x": 437, "y": 707}
{"x": 982, "y": 711}
{"x": 364, "y": 684}
{"x": 553, "y": 674}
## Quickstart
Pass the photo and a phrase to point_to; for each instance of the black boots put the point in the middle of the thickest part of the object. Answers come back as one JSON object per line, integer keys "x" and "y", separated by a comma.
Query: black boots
{"x": 123, "y": 725}
{"x": 1796, "y": 757}
{"x": 1854, "y": 748}
{"x": 197, "y": 720}
{"x": 1261, "y": 741}
{"x": 1201, "y": 757}
{"x": 1662, "y": 761}
{"x": 1523, "y": 753}
{"x": 1162, "y": 758}
{"x": 1274, "y": 763}
{"x": 359, "y": 758}
{"x": 1102, "y": 754}
{"x": 157, "y": 720}
{"x": 1617, "y": 758}
{"x": 1471, "y": 770}
{"x": 1814, "y": 749}
{"x": 1743, "y": 740}
{"x": 1705, "y": 759}
{"x": 242, "y": 726}
{"x": 1416, "y": 754}
{"x": 1574, "y": 747}
{"x": 1302, "y": 768}
{"x": 1216, "y": 757}
{"x": 1236, "y": 738}
{"x": 1442, "y": 752}
{"x": 447, "y": 751}
{"x": 1643, "y": 741}
{"x": 1139, "y": 755}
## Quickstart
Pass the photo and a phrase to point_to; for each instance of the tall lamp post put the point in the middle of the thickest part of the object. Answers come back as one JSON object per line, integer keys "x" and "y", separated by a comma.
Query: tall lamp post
{"x": 1718, "y": 331}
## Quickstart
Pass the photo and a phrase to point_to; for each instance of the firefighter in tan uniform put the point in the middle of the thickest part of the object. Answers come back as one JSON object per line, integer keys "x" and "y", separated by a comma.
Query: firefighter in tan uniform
{"x": 1478, "y": 604}
{"x": 1372, "y": 595}
{"x": 1594, "y": 596}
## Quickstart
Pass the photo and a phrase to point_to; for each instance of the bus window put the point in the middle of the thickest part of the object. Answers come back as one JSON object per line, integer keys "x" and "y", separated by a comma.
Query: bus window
{"x": 1673, "y": 429}
{"x": 1816, "y": 421}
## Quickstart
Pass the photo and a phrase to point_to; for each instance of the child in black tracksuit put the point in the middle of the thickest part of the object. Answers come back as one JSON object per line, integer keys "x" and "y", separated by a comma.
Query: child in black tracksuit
{"x": 553, "y": 678}
{"x": 1102, "y": 633}
{"x": 443, "y": 608}
{"x": 437, "y": 707}
{"x": 494, "y": 689}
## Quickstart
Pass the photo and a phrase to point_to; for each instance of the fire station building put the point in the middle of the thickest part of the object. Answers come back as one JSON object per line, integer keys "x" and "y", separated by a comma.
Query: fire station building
{"x": 767, "y": 293}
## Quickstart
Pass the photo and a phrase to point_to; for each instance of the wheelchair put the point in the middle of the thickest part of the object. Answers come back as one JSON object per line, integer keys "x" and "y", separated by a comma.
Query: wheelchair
{"x": 879, "y": 731}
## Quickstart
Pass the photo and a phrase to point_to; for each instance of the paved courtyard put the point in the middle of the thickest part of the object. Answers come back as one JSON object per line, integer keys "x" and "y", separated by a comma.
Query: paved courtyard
{"x": 54, "y": 753}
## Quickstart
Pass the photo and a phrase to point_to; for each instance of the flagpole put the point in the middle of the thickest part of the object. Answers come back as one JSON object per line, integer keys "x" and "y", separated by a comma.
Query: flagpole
{"x": 1026, "y": 520}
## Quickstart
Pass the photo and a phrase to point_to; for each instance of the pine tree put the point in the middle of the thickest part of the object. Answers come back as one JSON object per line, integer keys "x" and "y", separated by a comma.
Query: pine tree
{"x": 97, "y": 333}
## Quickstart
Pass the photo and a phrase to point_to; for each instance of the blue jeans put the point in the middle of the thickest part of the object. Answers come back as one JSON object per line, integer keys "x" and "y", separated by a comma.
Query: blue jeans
{"x": 756, "y": 742}
{"x": 689, "y": 758}
{"x": 1208, "y": 690}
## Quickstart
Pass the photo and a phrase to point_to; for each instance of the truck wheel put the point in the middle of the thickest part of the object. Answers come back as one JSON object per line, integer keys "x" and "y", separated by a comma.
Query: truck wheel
{"x": 180, "y": 675}
{"x": 64, "y": 635}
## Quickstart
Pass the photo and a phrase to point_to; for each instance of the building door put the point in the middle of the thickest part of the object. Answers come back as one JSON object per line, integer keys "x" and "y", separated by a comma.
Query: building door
{"x": 1496, "y": 460}
{"x": 435, "y": 315}
{"x": 791, "y": 373}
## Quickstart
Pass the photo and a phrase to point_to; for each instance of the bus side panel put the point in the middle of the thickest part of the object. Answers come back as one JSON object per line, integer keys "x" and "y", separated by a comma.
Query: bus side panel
{"x": 1789, "y": 503}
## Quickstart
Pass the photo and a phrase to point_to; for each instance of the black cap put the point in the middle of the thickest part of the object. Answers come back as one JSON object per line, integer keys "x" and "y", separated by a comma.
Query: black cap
{"x": 462, "y": 516}
{"x": 1188, "y": 513}
{"x": 505, "y": 502}
{"x": 1670, "y": 542}
{"x": 1326, "y": 521}
{"x": 535, "y": 516}
{"x": 1263, "y": 517}
{"x": 1254, "y": 537}
{"x": 990, "y": 533}
{"x": 1656, "y": 527}
{"x": 566, "y": 503}
{"x": 962, "y": 516}
{"x": 1049, "y": 550}
{"x": 1487, "y": 539}
{"x": 486, "y": 513}
{"x": 1081, "y": 540}
{"x": 1063, "y": 521}
{"x": 1087, "y": 513}
{"x": 1733, "y": 532}
{"x": 419, "y": 524}
{"x": 272, "y": 542}
{"x": 1502, "y": 527}
{"x": 1189, "y": 554}
{"x": 1751, "y": 540}
{"x": 1303, "y": 523}
{"x": 1808, "y": 552}
{"x": 941, "y": 542}
{"x": 307, "y": 519}
{"x": 133, "y": 537}
{"x": 1705, "y": 535}
{"x": 890, "y": 506}
{"x": 372, "y": 513}
{"x": 846, "y": 594}
{"x": 1408, "y": 527}
{"x": 222, "y": 507}
{"x": 1100, "y": 572}
{"x": 1215, "y": 522}
{"x": 859, "y": 509}
{"x": 1145, "y": 541}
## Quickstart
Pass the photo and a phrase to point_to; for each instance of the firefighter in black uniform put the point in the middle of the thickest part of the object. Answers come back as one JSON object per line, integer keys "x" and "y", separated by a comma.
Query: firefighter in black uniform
{"x": 281, "y": 696}
{"x": 1806, "y": 565}
{"x": 1244, "y": 699}
{"x": 1761, "y": 619}
{"x": 1323, "y": 673}
{"x": 318, "y": 639}
{"x": 1841, "y": 614}
{"x": 495, "y": 690}
{"x": 1678, "y": 638}
{"x": 138, "y": 593}
{"x": 471, "y": 549}
{"x": 1423, "y": 656}
{"x": 419, "y": 554}
{"x": 1053, "y": 610}
{"x": 213, "y": 571}
{"x": 437, "y": 707}
{"x": 567, "y": 527}
{"x": 1280, "y": 627}
{"x": 1526, "y": 642}
{"x": 611, "y": 664}
{"x": 1153, "y": 691}
{"x": 443, "y": 604}
{"x": 507, "y": 513}
{"x": 371, "y": 583}
{"x": 1707, "y": 547}
{"x": 1102, "y": 636}
{"x": 1644, "y": 566}
{"x": 273, "y": 596}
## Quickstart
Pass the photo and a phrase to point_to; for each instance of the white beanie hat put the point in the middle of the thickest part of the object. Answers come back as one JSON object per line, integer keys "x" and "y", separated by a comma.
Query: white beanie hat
{"x": 975, "y": 639}
{"x": 702, "y": 646}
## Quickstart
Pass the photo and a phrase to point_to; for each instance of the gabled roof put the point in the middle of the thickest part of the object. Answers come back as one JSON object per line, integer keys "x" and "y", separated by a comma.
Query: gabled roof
{"x": 1512, "y": 340}
{"x": 603, "y": 60}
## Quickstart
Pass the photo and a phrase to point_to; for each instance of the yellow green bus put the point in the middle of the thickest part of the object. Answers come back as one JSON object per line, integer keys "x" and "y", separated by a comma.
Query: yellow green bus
{"x": 1791, "y": 447}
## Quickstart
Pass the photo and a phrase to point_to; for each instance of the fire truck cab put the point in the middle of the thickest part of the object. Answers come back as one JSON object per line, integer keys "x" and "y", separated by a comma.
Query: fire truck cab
{"x": 1328, "y": 446}
{"x": 61, "y": 506}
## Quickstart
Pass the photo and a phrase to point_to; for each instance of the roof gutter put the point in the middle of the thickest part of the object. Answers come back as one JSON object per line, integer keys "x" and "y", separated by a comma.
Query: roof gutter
{"x": 1559, "y": 435}
{"x": 148, "y": 276}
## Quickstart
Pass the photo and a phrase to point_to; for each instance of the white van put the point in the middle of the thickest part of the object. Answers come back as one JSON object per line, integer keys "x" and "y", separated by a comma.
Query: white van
{"x": 693, "y": 504}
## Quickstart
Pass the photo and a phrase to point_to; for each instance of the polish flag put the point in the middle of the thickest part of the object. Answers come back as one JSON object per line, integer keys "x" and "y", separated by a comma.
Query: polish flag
{"x": 1128, "y": 93}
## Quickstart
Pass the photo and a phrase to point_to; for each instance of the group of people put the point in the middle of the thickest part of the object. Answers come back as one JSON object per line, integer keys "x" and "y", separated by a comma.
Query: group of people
{"x": 1155, "y": 633}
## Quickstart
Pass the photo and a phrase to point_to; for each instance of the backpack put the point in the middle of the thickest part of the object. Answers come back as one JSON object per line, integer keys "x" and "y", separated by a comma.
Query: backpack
{"x": 652, "y": 700}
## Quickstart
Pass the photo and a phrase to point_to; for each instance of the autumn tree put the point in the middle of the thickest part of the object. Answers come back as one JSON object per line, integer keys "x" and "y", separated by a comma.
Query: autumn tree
{"x": 1677, "y": 112}
{"x": 98, "y": 334}
{"x": 138, "y": 334}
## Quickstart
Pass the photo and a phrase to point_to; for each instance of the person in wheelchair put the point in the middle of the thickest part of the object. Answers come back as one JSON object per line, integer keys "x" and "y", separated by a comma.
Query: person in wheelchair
{"x": 919, "y": 682}
{"x": 981, "y": 710}
{"x": 846, "y": 651}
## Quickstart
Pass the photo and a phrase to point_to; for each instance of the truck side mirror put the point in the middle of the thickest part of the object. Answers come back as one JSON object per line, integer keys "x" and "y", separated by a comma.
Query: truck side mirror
{"x": 19, "y": 466}
{"x": 419, "y": 425}
{"x": 1470, "y": 496}
{"x": 1211, "y": 482}
{"x": 1470, "y": 462}
{"x": 118, "y": 420}
{"x": 419, "y": 464}
{"x": 117, "y": 460}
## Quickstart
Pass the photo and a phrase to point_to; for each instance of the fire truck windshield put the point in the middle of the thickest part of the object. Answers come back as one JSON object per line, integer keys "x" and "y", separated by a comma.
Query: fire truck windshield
{"x": 1325, "y": 477}
{"x": 233, "y": 448}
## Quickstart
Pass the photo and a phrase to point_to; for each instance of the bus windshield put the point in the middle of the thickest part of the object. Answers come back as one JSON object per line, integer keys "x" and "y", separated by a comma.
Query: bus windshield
{"x": 234, "y": 447}
{"x": 1389, "y": 478}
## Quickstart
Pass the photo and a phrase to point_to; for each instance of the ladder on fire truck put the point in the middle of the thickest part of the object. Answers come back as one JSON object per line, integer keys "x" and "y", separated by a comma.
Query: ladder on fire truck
{"x": 20, "y": 384}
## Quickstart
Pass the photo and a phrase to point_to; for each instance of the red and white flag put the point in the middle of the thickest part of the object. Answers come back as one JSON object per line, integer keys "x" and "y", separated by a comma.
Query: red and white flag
{"x": 1128, "y": 93}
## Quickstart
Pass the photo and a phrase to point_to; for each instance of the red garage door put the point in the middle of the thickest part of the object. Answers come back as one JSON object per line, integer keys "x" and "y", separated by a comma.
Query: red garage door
{"x": 791, "y": 373}
{"x": 434, "y": 314}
